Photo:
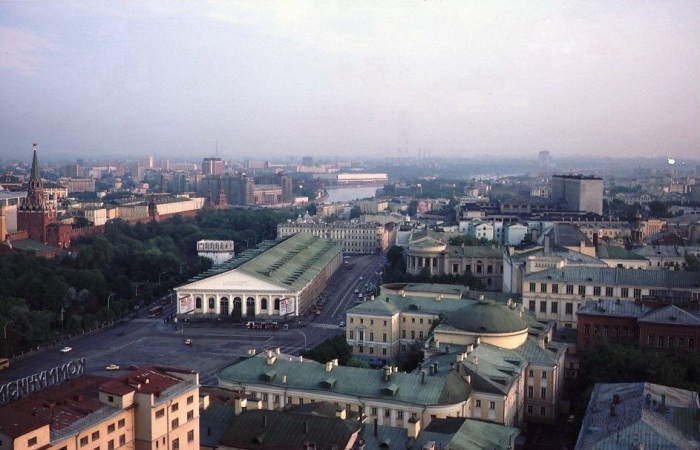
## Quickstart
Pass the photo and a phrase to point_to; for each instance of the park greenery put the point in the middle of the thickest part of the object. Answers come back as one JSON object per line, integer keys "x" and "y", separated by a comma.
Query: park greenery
{"x": 106, "y": 276}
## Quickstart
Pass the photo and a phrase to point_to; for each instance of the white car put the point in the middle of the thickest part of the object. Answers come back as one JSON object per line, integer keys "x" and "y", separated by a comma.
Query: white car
{"x": 112, "y": 367}
{"x": 66, "y": 350}
{"x": 341, "y": 324}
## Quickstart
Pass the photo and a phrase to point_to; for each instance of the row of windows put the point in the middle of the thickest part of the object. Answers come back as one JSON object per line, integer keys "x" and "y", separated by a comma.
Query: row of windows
{"x": 361, "y": 335}
{"x": 581, "y": 290}
{"x": 110, "y": 443}
{"x": 531, "y": 392}
{"x": 543, "y": 410}
{"x": 361, "y": 349}
{"x": 250, "y": 302}
{"x": 121, "y": 423}
{"x": 671, "y": 341}
{"x": 477, "y": 404}
{"x": 554, "y": 307}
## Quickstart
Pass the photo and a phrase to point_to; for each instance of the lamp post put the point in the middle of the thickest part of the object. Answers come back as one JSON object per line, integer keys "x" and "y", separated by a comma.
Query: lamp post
{"x": 63, "y": 308}
{"x": 137, "y": 288}
{"x": 4, "y": 329}
{"x": 109, "y": 297}
{"x": 161, "y": 274}
{"x": 302, "y": 333}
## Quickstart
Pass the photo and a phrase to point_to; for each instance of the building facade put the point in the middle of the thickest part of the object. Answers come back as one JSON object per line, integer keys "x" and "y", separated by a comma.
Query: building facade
{"x": 581, "y": 193}
{"x": 355, "y": 237}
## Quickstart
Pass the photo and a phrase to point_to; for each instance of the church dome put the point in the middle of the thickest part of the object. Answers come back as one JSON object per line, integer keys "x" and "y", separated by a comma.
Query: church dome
{"x": 487, "y": 317}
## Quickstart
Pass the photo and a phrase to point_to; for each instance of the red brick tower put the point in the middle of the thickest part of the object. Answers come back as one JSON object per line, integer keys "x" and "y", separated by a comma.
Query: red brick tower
{"x": 34, "y": 215}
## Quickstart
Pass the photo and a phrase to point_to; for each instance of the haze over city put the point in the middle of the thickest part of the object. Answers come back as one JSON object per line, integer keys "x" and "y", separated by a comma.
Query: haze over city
{"x": 350, "y": 79}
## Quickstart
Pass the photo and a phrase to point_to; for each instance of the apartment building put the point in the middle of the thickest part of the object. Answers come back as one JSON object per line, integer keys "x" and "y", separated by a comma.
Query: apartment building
{"x": 355, "y": 237}
{"x": 145, "y": 409}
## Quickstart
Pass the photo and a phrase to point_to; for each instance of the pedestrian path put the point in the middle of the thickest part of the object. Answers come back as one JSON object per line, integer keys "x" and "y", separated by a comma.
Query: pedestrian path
{"x": 325, "y": 326}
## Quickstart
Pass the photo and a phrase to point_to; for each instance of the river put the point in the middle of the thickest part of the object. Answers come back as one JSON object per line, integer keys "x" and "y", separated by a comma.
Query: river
{"x": 348, "y": 194}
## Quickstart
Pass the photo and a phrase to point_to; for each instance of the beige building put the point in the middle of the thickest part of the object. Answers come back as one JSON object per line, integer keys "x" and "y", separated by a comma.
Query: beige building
{"x": 145, "y": 409}
{"x": 355, "y": 237}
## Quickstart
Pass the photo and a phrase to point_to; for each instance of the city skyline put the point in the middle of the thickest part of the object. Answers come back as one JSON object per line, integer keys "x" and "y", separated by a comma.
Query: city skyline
{"x": 364, "y": 79}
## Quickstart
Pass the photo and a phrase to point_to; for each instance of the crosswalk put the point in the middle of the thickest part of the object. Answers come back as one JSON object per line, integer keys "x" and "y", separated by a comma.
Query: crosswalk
{"x": 325, "y": 326}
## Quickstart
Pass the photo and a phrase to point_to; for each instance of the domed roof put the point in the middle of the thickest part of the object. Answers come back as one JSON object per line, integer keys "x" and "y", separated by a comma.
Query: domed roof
{"x": 486, "y": 316}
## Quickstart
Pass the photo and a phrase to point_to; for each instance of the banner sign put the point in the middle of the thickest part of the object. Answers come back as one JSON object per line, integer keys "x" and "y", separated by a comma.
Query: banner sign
{"x": 40, "y": 381}
{"x": 186, "y": 304}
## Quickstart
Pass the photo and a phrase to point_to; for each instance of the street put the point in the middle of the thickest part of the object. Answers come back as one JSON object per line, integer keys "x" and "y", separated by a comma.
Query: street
{"x": 154, "y": 341}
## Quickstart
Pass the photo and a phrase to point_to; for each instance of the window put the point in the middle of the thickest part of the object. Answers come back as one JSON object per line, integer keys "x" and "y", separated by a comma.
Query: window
{"x": 371, "y": 335}
{"x": 403, "y": 334}
{"x": 374, "y": 411}
{"x": 190, "y": 414}
{"x": 543, "y": 306}
{"x": 351, "y": 334}
{"x": 174, "y": 408}
{"x": 190, "y": 436}
{"x": 383, "y": 337}
{"x": 385, "y": 323}
{"x": 111, "y": 427}
{"x": 478, "y": 404}
{"x": 110, "y": 444}
{"x": 609, "y": 291}
{"x": 360, "y": 349}
{"x": 83, "y": 441}
{"x": 555, "y": 307}
{"x": 32, "y": 441}
{"x": 661, "y": 341}
{"x": 176, "y": 444}
{"x": 555, "y": 289}
{"x": 596, "y": 291}
{"x": 413, "y": 320}
{"x": 650, "y": 339}
{"x": 530, "y": 373}
{"x": 570, "y": 289}
{"x": 371, "y": 350}
{"x": 691, "y": 343}
{"x": 531, "y": 305}
{"x": 587, "y": 329}
{"x": 95, "y": 435}
{"x": 384, "y": 351}
{"x": 543, "y": 393}
{"x": 582, "y": 290}
{"x": 174, "y": 423}
{"x": 569, "y": 308}
{"x": 625, "y": 292}
{"x": 190, "y": 399}
{"x": 122, "y": 439}
{"x": 387, "y": 412}
{"x": 110, "y": 398}
{"x": 529, "y": 409}
{"x": 544, "y": 374}
{"x": 530, "y": 392}
{"x": 543, "y": 287}
{"x": 160, "y": 413}
{"x": 492, "y": 405}
{"x": 637, "y": 293}
{"x": 543, "y": 410}
{"x": 532, "y": 287}
{"x": 399, "y": 415}
{"x": 413, "y": 334}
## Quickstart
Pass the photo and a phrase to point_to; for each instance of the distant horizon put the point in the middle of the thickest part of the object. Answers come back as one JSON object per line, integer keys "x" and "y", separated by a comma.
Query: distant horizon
{"x": 350, "y": 79}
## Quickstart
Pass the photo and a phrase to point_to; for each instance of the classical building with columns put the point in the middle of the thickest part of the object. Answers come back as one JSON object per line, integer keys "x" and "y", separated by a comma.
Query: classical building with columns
{"x": 285, "y": 280}
{"x": 438, "y": 258}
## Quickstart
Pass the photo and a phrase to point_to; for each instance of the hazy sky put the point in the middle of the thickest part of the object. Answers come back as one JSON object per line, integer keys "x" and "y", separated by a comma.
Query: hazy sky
{"x": 352, "y": 78}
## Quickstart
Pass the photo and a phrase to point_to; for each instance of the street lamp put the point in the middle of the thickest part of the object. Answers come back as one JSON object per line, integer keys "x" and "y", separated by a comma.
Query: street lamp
{"x": 302, "y": 333}
{"x": 137, "y": 288}
{"x": 109, "y": 297}
{"x": 160, "y": 274}
{"x": 62, "y": 310}
{"x": 4, "y": 329}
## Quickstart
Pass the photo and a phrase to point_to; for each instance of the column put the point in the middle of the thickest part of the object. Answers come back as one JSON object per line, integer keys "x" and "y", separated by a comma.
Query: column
{"x": 244, "y": 309}
{"x": 217, "y": 306}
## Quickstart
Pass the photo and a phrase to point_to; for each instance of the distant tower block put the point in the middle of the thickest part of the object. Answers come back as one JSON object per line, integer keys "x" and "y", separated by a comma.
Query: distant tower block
{"x": 217, "y": 251}
{"x": 545, "y": 158}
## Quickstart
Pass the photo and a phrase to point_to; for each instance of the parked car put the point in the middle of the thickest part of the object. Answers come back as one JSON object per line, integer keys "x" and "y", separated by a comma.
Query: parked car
{"x": 188, "y": 341}
{"x": 341, "y": 324}
{"x": 66, "y": 349}
{"x": 112, "y": 367}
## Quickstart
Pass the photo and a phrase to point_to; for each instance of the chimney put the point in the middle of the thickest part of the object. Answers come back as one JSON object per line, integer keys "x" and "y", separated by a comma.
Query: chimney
{"x": 447, "y": 349}
{"x": 437, "y": 344}
{"x": 470, "y": 348}
{"x": 422, "y": 376}
{"x": 335, "y": 362}
{"x": 238, "y": 404}
{"x": 387, "y": 373}
{"x": 329, "y": 366}
{"x": 477, "y": 341}
{"x": 278, "y": 350}
{"x": 284, "y": 379}
{"x": 413, "y": 427}
{"x": 612, "y": 411}
{"x": 301, "y": 358}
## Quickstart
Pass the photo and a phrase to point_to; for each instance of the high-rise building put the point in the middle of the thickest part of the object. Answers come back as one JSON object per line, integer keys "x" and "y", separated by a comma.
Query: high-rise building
{"x": 581, "y": 193}
{"x": 212, "y": 166}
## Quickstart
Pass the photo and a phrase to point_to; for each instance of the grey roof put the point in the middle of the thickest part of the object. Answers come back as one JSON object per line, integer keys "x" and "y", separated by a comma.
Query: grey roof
{"x": 475, "y": 251}
{"x": 267, "y": 429}
{"x": 565, "y": 235}
{"x": 646, "y": 416}
{"x": 486, "y": 316}
{"x": 493, "y": 369}
{"x": 670, "y": 314}
{"x": 351, "y": 381}
{"x": 613, "y": 252}
{"x": 383, "y": 436}
{"x": 611, "y": 276}
{"x": 213, "y": 422}
{"x": 609, "y": 307}
{"x": 572, "y": 257}
{"x": 666, "y": 251}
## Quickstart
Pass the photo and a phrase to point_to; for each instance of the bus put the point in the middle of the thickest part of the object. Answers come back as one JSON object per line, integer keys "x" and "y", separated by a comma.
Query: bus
{"x": 4, "y": 363}
{"x": 155, "y": 311}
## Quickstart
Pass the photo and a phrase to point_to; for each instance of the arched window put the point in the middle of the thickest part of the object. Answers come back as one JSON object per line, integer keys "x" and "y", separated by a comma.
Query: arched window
{"x": 250, "y": 306}
{"x": 198, "y": 302}
{"x": 212, "y": 303}
{"x": 223, "y": 306}
{"x": 277, "y": 304}
{"x": 263, "y": 303}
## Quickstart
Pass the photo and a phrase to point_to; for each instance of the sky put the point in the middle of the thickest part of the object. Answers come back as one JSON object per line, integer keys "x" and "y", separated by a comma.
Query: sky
{"x": 350, "y": 79}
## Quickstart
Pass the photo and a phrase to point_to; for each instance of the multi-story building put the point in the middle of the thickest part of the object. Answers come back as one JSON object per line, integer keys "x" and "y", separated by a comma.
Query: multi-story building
{"x": 427, "y": 253}
{"x": 355, "y": 237}
{"x": 145, "y": 409}
{"x": 581, "y": 193}
{"x": 217, "y": 251}
{"x": 212, "y": 166}
{"x": 557, "y": 293}
{"x": 650, "y": 325}
{"x": 282, "y": 280}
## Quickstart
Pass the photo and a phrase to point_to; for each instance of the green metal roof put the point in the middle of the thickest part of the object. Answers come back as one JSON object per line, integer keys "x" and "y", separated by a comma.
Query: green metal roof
{"x": 486, "y": 316}
{"x": 479, "y": 435}
{"x": 350, "y": 381}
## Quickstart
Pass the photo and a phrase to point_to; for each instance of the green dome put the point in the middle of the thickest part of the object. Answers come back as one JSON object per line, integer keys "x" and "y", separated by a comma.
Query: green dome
{"x": 486, "y": 316}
